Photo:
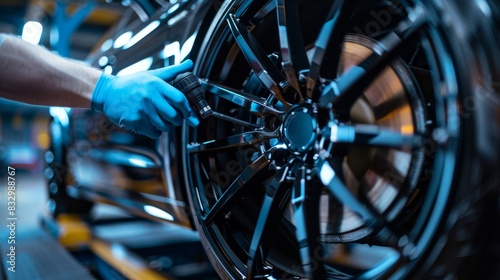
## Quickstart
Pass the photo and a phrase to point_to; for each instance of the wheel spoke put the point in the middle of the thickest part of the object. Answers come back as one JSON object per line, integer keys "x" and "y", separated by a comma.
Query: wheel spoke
{"x": 270, "y": 215}
{"x": 340, "y": 191}
{"x": 292, "y": 44}
{"x": 260, "y": 63}
{"x": 331, "y": 34}
{"x": 231, "y": 142}
{"x": 305, "y": 201}
{"x": 235, "y": 120}
{"x": 385, "y": 234}
{"x": 238, "y": 188}
{"x": 344, "y": 91}
{"x": 253, "y": 104}
{"x": 372, "y": 135}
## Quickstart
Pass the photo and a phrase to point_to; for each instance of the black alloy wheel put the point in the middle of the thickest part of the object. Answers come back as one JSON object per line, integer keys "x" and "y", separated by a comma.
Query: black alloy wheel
{"x": 358, "y": 160}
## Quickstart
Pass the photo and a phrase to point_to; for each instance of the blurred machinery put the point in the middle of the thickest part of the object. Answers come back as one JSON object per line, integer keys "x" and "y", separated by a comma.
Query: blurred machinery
{"x": 107, "y": 244}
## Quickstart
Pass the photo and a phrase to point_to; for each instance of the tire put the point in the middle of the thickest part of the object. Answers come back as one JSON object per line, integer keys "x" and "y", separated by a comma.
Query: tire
{"x": 372, "y": 156}
{"x": 58, "y": 175}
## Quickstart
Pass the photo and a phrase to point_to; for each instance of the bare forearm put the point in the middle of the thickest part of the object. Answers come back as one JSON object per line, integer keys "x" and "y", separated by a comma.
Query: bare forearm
{"x": 32, "y": 74}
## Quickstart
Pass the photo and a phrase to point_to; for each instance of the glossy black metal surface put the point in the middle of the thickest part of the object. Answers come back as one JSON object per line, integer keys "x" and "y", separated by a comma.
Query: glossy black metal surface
{"x": 349, "y": 163}
{"x": 116, "y": 166}
{"x": 347, "y": 143}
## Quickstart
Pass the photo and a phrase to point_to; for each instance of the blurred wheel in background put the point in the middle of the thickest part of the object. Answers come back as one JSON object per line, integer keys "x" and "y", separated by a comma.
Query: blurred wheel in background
{"x": 58, "y": 174}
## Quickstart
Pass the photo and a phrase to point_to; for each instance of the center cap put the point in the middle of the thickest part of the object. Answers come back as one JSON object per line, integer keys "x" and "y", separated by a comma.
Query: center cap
{"x": 299, "y": 128}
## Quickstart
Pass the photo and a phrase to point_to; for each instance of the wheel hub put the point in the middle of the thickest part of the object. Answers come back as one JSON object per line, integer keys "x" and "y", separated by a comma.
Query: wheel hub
{"x": 299, "y": 129}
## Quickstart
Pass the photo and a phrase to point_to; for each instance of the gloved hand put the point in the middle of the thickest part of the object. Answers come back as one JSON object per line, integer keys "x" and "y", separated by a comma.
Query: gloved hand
{"x": 143, "y": 102}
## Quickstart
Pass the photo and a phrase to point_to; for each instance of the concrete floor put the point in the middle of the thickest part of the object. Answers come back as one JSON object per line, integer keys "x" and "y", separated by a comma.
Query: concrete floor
{"x": 36, "y": 256}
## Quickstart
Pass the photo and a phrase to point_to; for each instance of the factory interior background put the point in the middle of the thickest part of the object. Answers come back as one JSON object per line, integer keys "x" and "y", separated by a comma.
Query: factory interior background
{"x": 72, "y": 29}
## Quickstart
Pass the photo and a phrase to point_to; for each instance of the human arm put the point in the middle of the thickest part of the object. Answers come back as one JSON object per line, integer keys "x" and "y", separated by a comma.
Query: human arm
{"x": 32, "y": 74}
{"x": 141, "y": 102}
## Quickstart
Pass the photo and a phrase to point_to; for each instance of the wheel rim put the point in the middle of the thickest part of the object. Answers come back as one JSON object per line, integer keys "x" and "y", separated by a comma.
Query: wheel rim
{"x": 330, "y": 165}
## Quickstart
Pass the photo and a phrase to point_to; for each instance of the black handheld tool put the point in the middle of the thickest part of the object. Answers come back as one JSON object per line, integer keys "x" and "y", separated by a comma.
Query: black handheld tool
{"x": 189, "y": 84}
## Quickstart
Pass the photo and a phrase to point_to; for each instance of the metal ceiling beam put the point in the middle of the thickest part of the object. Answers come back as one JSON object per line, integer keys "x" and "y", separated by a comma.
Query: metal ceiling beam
{"x": 65, "y": 25}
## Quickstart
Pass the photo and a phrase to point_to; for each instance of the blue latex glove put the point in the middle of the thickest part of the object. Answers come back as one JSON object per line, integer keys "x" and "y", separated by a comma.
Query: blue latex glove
{"x": 143, "y": 102}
